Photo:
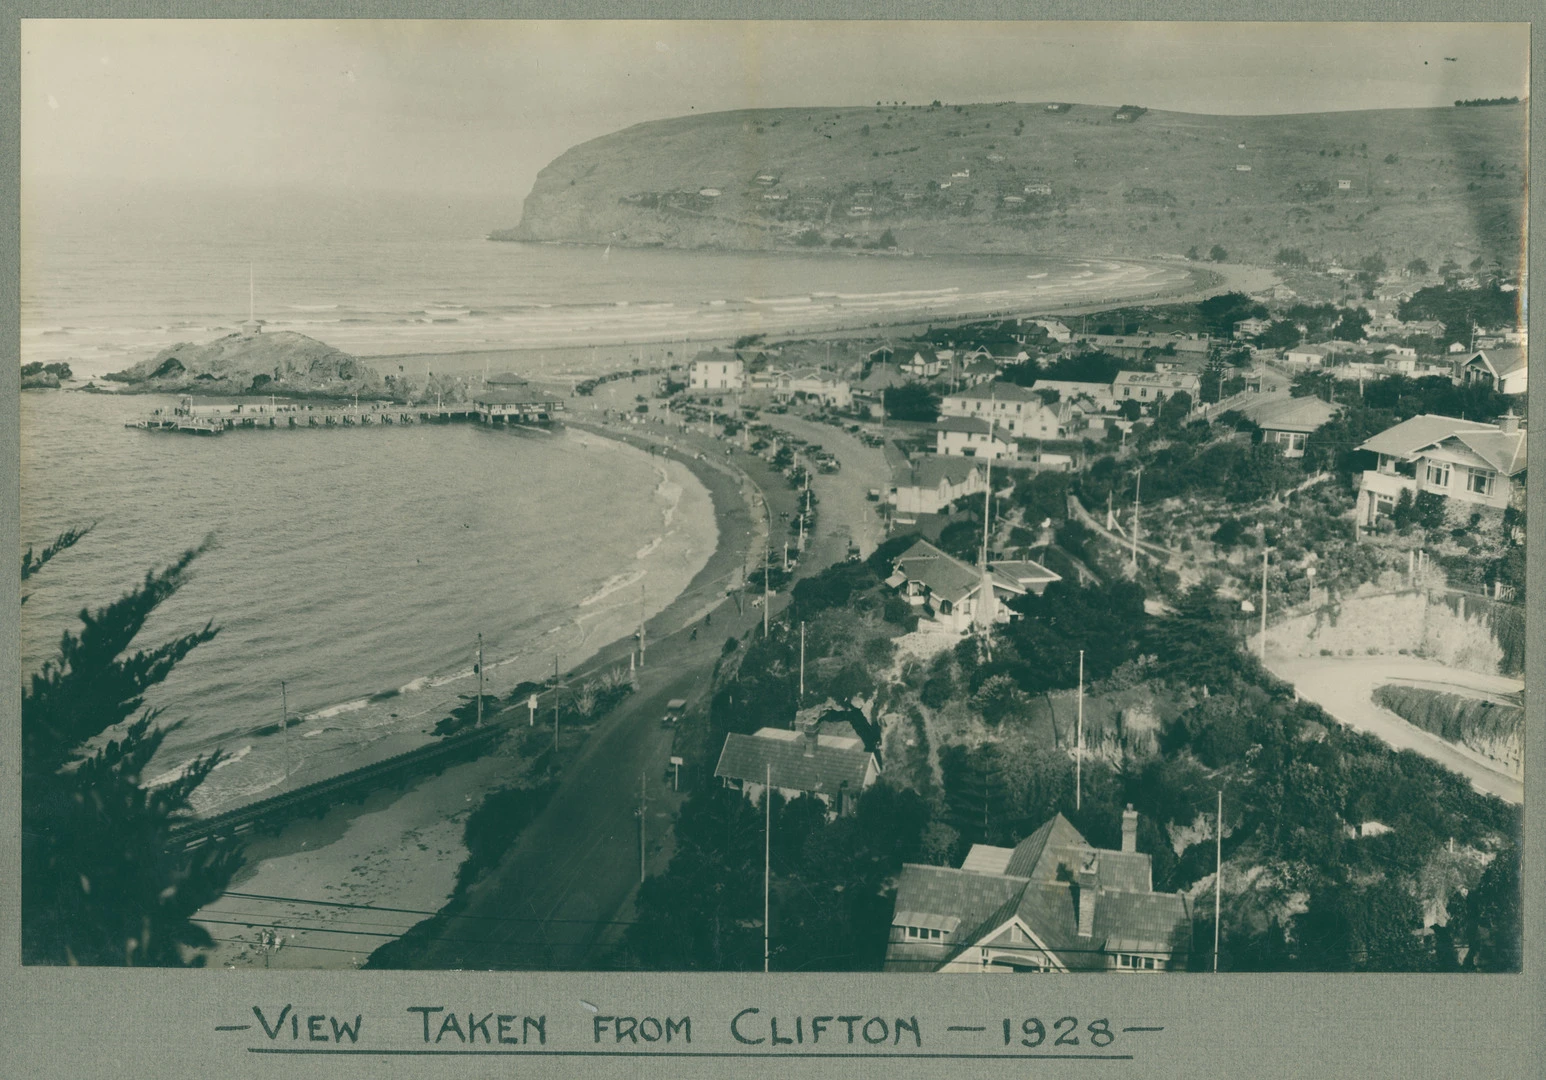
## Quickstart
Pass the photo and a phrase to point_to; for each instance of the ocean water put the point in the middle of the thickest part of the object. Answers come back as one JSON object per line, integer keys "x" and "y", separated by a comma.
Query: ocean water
{"x": 358, "y": 566}
{"x": 354, "y": 564}
{"x": 107, "y": 280}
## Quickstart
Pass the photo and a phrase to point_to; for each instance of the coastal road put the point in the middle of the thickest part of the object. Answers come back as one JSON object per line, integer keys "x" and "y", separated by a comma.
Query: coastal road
{"x": 844, "y": 513}
{"x": 553, "y": 894}
{"x": 1345, "y": 689}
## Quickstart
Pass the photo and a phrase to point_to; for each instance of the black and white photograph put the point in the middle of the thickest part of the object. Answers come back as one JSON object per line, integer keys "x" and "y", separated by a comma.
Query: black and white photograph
{"x": 772, "y": 497}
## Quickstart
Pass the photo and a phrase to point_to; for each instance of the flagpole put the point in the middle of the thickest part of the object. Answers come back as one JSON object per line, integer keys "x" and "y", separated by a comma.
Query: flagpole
{"x": 1079, "y": 740}
{"x": 480, "y": 680}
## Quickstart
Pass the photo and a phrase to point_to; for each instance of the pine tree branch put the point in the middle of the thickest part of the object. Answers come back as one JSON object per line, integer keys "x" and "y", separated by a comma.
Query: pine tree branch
{"x": 31, "y": 563}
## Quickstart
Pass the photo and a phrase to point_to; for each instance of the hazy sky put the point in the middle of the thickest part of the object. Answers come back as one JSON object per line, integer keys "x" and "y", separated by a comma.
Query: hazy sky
{"x": 477, "y": 108}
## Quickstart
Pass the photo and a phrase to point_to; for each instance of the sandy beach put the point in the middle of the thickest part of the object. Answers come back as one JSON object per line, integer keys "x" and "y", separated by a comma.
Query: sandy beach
{"x": 401, "y": 849}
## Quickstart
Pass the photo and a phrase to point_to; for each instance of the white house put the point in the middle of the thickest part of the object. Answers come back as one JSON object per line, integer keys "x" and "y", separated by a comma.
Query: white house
{"x": 967, "y": 436}
{"x": 1309, "y": 355}
{"x": 714, "y": 371}
{"x": 930, "y": 483}
{"x": 1055, "y": 330}
{"x": 950, "y": 593}
{"x": 922, "y": 367}
{"x": 1503, "y": 369}
{"x": 1147, "y": 387}
{"x": 1466, "y": 460}
{"x": 1017, "y": 411}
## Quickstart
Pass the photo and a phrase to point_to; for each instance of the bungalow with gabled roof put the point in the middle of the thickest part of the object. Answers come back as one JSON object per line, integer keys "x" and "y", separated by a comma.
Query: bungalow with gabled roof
{"x": 831, "y": 768}
{"x": 1501, "y": 369}
{"x": 1287, "y": 423}
{"x": 1467, "y": 460}
{"x": 951, "y": 592}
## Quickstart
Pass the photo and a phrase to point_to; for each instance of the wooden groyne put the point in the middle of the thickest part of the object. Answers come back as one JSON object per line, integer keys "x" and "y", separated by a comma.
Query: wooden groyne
{"x": 316, "y": 798}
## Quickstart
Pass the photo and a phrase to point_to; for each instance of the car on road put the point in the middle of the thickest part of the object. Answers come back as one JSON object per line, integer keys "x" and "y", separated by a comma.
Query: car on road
{"x": 675, "y": 709}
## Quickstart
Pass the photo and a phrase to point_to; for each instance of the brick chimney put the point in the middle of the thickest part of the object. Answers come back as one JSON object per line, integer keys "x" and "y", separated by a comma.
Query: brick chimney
{"x": 809, "y": 737}
{"x": 1129, "y": 829}
{"x": 1086, "y": 885}
{"x": 1508, "y": 423}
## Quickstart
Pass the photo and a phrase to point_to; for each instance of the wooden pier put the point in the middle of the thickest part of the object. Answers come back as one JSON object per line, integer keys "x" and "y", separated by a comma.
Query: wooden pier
{"x": 503, "y": 409}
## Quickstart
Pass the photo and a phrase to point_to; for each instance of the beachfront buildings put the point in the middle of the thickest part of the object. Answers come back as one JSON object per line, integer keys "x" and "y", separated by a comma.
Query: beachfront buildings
{"x": 1151, "y": 387}
{"x": 833, "y": 768}
{"x": 953, "y": 596}
{"x": 928, "y": 484}
{"x": 1052, "y": 903}
{"x": 1466, "y": 461}
{"x": 969, "y": 437}
{"x": 712, "y": 372}
{"x": 1016, "y": 411}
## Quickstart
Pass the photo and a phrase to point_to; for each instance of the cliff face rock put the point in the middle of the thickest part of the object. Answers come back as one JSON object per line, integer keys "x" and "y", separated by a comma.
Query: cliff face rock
{"x": 281, "y": 362}
{"x": 1016, "y": 177}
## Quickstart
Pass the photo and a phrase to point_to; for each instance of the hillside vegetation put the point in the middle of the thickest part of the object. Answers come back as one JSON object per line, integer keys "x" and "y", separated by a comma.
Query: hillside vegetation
{"x": 280, "y": 362}
{"x": 1014, "y": 177}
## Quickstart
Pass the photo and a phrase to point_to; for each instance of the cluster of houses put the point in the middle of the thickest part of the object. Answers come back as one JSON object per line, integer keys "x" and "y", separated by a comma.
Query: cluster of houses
{"x": 716, "y": 373}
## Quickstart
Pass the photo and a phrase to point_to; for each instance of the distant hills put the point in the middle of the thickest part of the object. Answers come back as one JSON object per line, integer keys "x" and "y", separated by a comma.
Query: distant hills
{"x": 1050, "y": 178}
{"x": 281, "y": 362}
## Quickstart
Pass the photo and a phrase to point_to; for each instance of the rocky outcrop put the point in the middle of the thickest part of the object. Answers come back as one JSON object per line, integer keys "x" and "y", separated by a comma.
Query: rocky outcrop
{"x": 282, "y": 362}
{"x": 1490, "y": 728}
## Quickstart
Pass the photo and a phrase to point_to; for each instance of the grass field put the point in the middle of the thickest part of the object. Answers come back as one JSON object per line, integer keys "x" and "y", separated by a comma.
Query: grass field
{"x": 1431, "y": 183}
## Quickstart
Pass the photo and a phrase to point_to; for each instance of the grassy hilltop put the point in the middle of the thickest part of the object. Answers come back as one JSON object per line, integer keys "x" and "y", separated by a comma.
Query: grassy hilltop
{"x": 1429, "y": 183}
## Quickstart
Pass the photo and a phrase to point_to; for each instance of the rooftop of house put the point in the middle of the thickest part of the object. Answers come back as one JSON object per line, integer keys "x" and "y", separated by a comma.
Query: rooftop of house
{"x": 1502, "y": 359}
{"x": 1174, "y": 380}
{"x": 969, "y": 424}
{"x": 998, "y": 391}
{"x": 930, "y": 470}
{"x": 943, "y": 575}
{"x": 1277, "y": 413}
{"x": 1033, "y": 882}
{"x": 505, "y": 378}
{"x": 1503, "y": 450}
{"x": 795, "y": 761}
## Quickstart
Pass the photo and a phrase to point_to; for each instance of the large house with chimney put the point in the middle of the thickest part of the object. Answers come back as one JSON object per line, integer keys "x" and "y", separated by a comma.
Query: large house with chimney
{"x": 1503, "y": 369}
{"x": 833, "y": 768}
{"x": 1465, "y": 460}
{"x": 1051, "y": 903}
{"x": 1017, "y": 412}
{"x": 929, "y": 483}
{"x": 954, "y": 596}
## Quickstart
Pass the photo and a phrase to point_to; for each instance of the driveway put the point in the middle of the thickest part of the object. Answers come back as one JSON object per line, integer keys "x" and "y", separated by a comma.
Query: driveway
{"x": 1345, "y": 687}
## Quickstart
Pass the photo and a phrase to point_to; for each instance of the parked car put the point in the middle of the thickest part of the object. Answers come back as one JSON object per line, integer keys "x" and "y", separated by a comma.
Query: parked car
{"x": 675, "y": 708}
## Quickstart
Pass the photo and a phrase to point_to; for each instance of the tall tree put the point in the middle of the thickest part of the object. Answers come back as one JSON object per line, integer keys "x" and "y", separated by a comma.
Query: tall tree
{"x": 99, "y": 885}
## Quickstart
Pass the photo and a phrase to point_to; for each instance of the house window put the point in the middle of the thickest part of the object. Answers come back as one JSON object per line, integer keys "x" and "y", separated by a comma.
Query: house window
{"x": 1127, "y": 391}
{"x": 1481, "y": 481}
{"x": 1144, "y": 392}
{"x": 920, "y": 933}
{"x": 1438, "y": 474}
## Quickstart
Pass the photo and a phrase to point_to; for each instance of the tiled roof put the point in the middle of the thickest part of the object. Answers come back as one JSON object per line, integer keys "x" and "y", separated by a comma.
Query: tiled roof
{"x": 926, "y": 471}
{"x": 1502, "y": 450}
{"x": 1017, "y": 574}
{"x": 963, "y": 423}
{"x": 1289, "y": 414}
{"x": 824, "y": 771}
{"x": 943, "y": 575}
{"x": 996, "y": 883}
{"x": 1028, "y": 857}
{"x": 998, "y": 391}
{"x": 1412, "y": 435}
{"x": 987, "y": 859}
{"x": 1502, "y": 359}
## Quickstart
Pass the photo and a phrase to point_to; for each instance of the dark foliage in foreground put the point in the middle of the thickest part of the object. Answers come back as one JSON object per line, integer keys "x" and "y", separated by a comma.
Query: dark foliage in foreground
{"x": 99, "y": 885}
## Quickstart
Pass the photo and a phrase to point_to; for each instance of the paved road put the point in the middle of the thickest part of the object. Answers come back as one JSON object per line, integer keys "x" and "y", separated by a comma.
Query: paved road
{"x": 845, "y": 513}
{"x": 1345, "y": 689}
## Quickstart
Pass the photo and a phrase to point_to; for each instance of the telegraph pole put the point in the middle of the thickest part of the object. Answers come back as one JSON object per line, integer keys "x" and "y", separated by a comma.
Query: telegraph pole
{"x": 284, "y": 727}
{"x": 643, "y": 802}
{"x": 1079, "y": 739}
{"x": 1218, "y": 873}
{"x": 1264, "y": 600}
{"x": 1137, "y": 492}
{"x": 555, "y": 703}
{"x": 480, "y": 680}
{"x": 802, "y": 662}
{"x": 767, "y": 858}
{"x": 641, "y": 624}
